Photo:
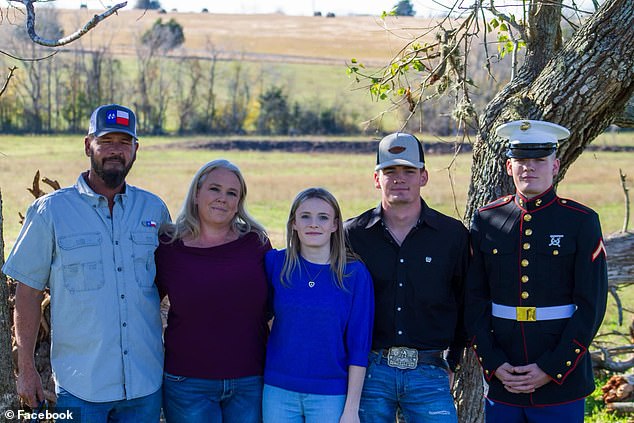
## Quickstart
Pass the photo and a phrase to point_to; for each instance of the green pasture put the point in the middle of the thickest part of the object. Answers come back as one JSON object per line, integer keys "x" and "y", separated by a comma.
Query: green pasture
{"x": 274, "y": 178}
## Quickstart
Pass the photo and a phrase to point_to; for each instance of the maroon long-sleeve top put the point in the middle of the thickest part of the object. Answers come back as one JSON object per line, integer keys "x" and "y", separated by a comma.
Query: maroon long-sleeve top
{"x": 217, "y": 318}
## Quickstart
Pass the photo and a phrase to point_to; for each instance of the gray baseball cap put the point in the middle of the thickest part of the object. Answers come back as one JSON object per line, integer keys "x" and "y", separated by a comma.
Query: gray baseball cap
{"x": 112, "y": 118}
{"x": 400, "y": 149}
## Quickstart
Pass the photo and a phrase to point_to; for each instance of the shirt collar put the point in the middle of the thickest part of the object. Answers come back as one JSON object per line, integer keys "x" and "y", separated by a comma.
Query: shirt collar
{"x": 427, "y": 215}
{"x": 92, "y": 197}
{"x": 542, "y": 200}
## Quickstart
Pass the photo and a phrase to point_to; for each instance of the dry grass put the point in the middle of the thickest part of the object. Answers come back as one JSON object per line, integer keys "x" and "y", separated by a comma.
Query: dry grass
{"x": 296, "y": 38}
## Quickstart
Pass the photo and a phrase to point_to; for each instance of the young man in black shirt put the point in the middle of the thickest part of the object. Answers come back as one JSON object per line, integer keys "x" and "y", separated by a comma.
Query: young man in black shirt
{"x": 418, "y": 260}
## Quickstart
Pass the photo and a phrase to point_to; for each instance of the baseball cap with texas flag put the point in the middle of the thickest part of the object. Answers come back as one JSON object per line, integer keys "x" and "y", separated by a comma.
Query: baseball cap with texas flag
{"x": 112, "y": 118}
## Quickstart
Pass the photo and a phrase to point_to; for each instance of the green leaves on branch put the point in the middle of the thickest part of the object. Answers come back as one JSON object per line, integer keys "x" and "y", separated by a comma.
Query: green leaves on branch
{"x": 392, "y": 79}
{"x": 505, "y": 41}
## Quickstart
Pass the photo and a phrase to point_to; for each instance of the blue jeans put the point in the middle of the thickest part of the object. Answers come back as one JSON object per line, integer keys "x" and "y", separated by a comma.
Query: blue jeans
{"x": 423, "y": 394}
{"x": 139, "y": 410}
{"x": 191, "y": 400}
{"x": 571, "y": 412}
{"x": 283, "y": 406}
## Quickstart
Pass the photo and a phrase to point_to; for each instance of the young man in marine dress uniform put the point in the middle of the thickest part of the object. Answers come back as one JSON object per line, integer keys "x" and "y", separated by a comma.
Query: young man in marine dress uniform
{"x": 536, "y": 288}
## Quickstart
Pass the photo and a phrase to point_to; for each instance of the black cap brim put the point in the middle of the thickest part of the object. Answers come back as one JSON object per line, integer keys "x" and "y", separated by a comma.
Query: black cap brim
{"x": 530, "y": 151}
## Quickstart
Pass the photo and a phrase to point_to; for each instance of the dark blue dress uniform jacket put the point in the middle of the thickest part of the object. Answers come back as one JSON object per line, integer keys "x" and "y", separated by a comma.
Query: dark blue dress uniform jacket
{"x": 544, "y": 252}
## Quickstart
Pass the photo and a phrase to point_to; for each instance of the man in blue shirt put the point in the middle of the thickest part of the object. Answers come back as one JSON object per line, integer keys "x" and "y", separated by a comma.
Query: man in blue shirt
{"x": 93, "y": 245}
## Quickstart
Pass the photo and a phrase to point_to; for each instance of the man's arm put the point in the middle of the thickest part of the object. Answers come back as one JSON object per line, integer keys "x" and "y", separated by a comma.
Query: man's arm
{"x": 27, "y": 323}
{"x": 589, "y": 295}
{"x": 460, "y": 339}
{"x": 478, "y": 308}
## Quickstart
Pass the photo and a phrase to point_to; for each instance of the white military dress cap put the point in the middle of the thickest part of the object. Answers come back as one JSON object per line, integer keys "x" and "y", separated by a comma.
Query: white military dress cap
{"x": 531, "y": 138}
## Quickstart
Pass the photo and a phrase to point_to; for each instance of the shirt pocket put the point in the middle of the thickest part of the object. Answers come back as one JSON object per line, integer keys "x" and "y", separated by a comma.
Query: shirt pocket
{"x": 144, "y": 244}
{"x": 557, "y": 262}
{"x": 82, "y": 265}
{"x": 500, "y": 261}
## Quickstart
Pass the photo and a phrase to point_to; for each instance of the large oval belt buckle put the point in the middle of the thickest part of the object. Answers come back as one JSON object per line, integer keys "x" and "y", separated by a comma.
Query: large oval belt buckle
{"x": 402, "y": 358}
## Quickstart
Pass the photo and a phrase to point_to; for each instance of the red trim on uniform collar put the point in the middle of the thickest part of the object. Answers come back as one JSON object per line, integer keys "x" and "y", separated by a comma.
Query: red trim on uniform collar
{"x": 544, "y": 199}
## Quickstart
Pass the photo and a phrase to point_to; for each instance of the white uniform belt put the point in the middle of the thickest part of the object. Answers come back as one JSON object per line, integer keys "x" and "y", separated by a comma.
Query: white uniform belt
{"x": 533, "y": 314}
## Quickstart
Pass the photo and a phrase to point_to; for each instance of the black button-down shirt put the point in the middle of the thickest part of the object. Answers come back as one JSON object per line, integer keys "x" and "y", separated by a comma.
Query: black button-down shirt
{"x": 419, "y": 285}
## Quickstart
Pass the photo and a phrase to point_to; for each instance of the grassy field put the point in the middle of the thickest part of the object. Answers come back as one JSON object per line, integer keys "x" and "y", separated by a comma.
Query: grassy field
{"x": 274, "y": 178}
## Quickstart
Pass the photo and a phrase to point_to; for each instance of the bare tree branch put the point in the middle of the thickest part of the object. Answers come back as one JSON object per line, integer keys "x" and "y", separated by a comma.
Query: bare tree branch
{"x": 30, "y": 24}
{"x": 604, "y": 358}
{"x": 626, "y": 193}
{"x": 6, "y": 82}
{"x": 36, "y": 59}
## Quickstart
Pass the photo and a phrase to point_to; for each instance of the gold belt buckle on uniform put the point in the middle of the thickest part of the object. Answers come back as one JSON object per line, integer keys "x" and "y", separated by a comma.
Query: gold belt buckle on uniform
{"x": 526, "y": 314}
{"x": 402, "y": 358}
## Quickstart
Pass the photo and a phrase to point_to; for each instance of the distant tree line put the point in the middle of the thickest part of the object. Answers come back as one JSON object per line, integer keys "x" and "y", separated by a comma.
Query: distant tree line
{"x": 170, "y": 95}
{"x": 173, "y": 94}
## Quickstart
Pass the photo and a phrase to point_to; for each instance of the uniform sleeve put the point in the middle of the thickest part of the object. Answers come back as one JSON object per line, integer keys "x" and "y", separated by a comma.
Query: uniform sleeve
{"x": 31, "y": 258}
{"x": 590, "y": 297}
{"x": 459, "y": 342}
{"x": 478, "y": 308}
{"x": 358, "y": 336}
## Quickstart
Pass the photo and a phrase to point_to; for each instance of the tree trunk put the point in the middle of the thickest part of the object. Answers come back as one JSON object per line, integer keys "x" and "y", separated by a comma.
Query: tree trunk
{"x": 8, "y": 395}
{"x": 469, "y": 390}
{"x": 583, "y": 87}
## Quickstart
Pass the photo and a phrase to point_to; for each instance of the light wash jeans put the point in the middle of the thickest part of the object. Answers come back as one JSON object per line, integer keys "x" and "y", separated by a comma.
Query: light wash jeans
{"x": 139, "y": 410}
{"x": 283, "y": 406}
{"x": 192, "y": 400}
{"x": 422, "y": 394}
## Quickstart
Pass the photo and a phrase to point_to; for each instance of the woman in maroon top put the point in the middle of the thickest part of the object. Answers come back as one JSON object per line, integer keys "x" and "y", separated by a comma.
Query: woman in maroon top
{"x": 210, "y": 263}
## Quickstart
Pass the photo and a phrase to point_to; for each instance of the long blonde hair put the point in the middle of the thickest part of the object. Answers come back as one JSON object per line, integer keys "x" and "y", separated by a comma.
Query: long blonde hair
{"x": 339, "y": 254}
{"x": 188, "y": 223}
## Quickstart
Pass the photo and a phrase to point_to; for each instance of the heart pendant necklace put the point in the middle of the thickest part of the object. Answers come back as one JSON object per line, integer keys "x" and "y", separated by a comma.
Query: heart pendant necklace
{"x": 311, "y": 279}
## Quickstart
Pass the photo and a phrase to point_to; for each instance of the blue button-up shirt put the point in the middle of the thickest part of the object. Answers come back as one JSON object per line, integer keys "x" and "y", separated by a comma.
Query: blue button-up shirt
{"x": 106, "y": 327}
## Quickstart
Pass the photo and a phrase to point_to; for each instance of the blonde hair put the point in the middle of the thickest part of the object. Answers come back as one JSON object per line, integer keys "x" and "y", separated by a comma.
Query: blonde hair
{"x": 188, "y": 223}
{"x": 339, "y": 254}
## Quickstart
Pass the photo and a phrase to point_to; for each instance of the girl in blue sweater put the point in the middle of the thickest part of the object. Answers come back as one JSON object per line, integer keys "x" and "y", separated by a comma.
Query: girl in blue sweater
{"x": 323, "y": 307}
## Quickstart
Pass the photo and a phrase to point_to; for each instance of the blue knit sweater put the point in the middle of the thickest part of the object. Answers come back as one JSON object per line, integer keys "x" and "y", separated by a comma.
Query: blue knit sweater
{"x": 318, "y": 331}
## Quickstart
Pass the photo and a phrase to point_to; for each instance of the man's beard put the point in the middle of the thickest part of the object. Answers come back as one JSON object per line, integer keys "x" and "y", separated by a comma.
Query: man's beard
{"x": 111, "y": 177}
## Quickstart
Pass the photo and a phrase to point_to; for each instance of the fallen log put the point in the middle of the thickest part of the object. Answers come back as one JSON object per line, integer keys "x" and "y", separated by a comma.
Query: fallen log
{"x": 621, "y": 408}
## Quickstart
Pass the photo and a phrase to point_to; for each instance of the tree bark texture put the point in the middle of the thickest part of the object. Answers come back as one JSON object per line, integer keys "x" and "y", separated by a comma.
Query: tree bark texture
{"x": 584, "y": 86}
{"x": 468, "y": 393}
{"x": 626, "y": 118}
{"x": 8, "y": 395}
